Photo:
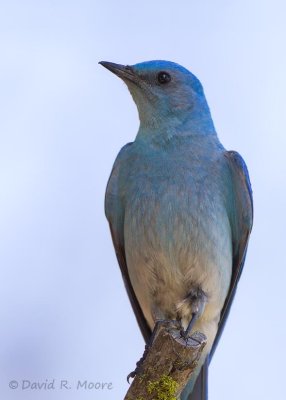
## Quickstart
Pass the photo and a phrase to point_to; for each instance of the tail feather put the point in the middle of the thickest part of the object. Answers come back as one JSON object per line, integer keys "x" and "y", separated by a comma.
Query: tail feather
{"x": 200, "y": 390}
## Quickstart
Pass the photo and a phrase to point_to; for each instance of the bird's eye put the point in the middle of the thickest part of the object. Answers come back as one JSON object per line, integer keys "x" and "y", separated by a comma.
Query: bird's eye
{"x": 163, "y": 77}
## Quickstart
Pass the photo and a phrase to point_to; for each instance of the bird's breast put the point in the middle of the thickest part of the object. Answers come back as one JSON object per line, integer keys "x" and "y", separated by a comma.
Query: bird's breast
{"x": 177, "y": 235}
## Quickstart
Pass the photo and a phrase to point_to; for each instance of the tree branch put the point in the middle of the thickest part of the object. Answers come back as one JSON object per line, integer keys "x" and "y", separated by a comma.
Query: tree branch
{"x": 167, "y": 365}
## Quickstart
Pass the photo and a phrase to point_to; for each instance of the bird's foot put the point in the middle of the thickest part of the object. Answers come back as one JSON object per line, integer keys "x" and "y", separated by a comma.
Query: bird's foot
{"x": 184, "y": 334}
{"x": 197, "y": 299}
{"x": 148, "y": 345}
{"x": 139, "y": 364}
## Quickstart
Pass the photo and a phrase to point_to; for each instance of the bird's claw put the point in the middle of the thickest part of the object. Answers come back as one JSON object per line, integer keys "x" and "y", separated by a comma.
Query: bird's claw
{"x": 131, "y": 375}
{"x": 184, "y": 334}
{"x": 136, "y": 370}
{"x": 138, "y": 364}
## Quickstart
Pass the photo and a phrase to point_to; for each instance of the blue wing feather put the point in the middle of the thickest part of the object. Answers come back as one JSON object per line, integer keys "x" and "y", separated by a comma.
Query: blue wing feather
{"x": 241, "y": 222}
{"x": 114, "y": 211}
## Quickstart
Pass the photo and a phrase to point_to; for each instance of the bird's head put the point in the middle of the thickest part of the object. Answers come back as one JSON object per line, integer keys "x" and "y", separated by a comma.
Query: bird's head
{"x": 166, "y": 95}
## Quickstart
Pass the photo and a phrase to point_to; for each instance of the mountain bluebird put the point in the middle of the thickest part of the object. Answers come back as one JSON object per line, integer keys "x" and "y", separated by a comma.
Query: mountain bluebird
{"x": 180, "y": 209}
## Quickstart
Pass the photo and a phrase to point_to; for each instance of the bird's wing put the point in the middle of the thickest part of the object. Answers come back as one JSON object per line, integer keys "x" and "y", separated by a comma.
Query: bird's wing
{"x": 114, "y": 210}
{"x": 241, "y": 217}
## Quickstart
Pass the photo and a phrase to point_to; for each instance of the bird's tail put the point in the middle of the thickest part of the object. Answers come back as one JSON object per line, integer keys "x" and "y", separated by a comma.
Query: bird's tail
{"x": 199, "y": 391}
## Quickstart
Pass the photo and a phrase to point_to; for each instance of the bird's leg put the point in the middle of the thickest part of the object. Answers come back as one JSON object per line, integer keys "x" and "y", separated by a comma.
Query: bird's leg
{"x": 139, "y": 363}
{"x": 195, "y": 316}
{"x": 197, "y": 299}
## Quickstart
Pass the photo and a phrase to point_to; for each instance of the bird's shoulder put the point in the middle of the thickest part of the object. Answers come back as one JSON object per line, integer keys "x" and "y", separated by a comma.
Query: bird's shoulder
{"x": 112, "y": 188}
{"x": 238, "y": 164}
{"x": 240, "y": 183}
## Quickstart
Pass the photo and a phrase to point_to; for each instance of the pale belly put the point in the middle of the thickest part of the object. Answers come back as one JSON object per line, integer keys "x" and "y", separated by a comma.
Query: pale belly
{"x": 174, "y": 242}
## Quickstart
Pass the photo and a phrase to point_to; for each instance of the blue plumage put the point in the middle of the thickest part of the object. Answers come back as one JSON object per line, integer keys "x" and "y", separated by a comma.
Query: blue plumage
{"x": 179, "y": 207}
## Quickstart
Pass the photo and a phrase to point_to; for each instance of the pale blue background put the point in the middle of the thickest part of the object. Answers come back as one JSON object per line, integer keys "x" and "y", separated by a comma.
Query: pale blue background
{"x": 64, "y": 311}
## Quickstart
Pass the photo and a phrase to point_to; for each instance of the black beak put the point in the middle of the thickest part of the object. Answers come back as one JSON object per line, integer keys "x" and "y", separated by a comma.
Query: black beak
{"x": 122, "y": 71}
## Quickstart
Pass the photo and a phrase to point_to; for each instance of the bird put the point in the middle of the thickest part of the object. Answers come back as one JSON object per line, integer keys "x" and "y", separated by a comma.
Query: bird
{"x": 180, "y": 210}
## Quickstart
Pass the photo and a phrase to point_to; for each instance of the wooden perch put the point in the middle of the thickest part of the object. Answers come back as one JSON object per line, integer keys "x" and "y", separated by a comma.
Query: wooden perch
{"x": 168, "y": 364}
